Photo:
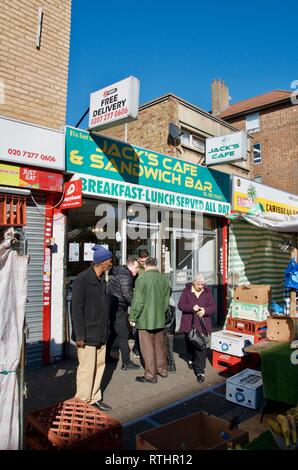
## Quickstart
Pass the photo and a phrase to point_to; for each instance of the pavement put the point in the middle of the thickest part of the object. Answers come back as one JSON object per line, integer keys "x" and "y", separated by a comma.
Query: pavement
{"x": 135, "y": 405}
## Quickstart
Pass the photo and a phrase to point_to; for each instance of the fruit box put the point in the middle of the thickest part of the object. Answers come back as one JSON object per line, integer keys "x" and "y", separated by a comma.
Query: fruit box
{"x": 198, "y": 431}
{"x": 280, "y": 329}
{"x": 245, "y": 388}
{"x": 231, "y": 342}
{"x": 253, "y": 294}
{"x": 253, "y": 312}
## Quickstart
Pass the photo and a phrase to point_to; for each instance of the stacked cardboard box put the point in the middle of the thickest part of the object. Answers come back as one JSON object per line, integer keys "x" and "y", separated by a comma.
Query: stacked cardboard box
{"x": 251, "y": 302}
{"x": 249, "y": 310}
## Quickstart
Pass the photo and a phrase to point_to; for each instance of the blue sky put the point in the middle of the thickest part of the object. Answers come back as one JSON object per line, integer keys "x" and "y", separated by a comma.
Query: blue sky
{"x": 180, "y": 47}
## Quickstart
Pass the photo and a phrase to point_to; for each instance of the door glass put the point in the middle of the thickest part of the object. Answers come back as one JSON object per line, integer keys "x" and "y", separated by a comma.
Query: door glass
{"x": 141, "y": 237}
{"x": 185, "y": 256}
{"x": 207, "y": 258}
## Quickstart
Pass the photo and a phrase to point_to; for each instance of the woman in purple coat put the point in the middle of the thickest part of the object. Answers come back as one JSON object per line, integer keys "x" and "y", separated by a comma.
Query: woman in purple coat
{"x": 196, "y": 299}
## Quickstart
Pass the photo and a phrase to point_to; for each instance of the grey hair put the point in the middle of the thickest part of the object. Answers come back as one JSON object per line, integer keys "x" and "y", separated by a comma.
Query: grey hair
{"x": 198, "y": 277}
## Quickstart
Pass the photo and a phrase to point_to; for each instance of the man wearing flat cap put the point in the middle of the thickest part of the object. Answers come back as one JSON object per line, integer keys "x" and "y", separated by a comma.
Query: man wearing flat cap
{"x": 89, "y": 315}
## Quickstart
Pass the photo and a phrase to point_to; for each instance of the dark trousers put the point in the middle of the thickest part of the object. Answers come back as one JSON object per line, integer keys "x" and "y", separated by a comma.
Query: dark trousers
{"x": 197, "y": 356}
{"x": 119, "y": 334}
{"x": 169, "y": 339}
{"x": 154, "y": 353}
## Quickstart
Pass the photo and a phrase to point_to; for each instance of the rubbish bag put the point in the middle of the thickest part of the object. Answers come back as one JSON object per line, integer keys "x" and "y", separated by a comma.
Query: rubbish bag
{"x": 291, "y": 275}
{"x": 277, "y": 308}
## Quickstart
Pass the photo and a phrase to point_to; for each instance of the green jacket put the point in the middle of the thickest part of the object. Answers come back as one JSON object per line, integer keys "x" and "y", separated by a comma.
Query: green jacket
{"x": 150, "y": 301}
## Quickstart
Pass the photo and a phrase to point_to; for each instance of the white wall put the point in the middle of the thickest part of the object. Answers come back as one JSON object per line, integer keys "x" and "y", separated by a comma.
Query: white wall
{"x": 57, "y": 287}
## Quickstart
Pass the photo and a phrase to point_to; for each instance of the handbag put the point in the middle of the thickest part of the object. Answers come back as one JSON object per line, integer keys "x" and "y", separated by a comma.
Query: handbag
{"x": 198, "y": 340}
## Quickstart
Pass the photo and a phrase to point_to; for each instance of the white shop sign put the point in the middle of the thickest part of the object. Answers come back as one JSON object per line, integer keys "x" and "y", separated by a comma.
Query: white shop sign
{"x": 114, "y": 104}
{"x": 226, "y": 148}
{"x": 28, "y": 144}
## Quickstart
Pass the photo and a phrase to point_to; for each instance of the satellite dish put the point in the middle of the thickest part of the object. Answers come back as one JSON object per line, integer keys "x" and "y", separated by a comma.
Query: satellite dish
{"x": 175, "y": 133}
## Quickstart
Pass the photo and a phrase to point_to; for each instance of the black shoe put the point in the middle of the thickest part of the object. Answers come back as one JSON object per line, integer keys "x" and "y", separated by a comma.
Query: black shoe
{"x": 190, "y": 364}
{"x": 102, "y": 406}
{"x": 145, "y": 381}
{"x": 136, "y": 353}
{"x": 130, "y": 365}
{"x": 200, "y": 378}
{"x": 172, "y": 367}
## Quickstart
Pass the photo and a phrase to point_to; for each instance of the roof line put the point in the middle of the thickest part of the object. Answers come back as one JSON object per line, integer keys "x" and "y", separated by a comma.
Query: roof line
{"x": 190, "y": 105}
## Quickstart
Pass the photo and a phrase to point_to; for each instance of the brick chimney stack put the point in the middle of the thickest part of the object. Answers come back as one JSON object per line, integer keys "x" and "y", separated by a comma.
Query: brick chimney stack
{"x": 220, "y": 96}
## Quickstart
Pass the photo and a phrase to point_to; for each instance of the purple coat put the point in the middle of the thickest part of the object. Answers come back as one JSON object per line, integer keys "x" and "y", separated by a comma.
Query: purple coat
{"x": 186, "y": 303}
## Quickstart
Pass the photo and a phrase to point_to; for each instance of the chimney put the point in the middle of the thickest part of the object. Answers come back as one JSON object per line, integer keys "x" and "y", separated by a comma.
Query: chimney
{"x": 220, "y": 96}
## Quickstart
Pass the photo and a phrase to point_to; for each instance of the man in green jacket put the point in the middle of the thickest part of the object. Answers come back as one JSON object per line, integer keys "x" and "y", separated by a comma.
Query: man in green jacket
{"x": 150, "y": 301}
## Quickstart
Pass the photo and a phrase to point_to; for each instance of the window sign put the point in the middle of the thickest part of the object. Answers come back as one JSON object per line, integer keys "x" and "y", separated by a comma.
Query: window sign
{"x": 88, "y": 252}
{"x": 74, "y": 252}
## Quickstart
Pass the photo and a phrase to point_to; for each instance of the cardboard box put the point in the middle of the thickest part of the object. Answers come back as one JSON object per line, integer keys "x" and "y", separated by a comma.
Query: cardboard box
{"x": 254, "y": 312}
{"x": 231, "y": 342}
{"x": 280, "y": 329}
{"x": 198, "y": 431}
{"x": 245, "y": 388}
{"x": 254, "y": 426}
{"x": 253, "y": 294}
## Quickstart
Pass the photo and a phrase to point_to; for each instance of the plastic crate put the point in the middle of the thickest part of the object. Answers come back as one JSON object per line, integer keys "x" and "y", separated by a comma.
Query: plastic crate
{"x": 227, "y": 362}
{"x": 72, "y": 424}
{"x": 249, "y": 327}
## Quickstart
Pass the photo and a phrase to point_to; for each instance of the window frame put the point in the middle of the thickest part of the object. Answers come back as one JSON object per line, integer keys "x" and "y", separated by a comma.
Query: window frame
{"x": 249, "y": 118}
{"x": 190, "y": 143}
{"x": 257, "y": 159}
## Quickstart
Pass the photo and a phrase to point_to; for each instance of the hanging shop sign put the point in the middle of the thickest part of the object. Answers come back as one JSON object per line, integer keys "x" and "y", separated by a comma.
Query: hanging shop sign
{"x": 95, "y": 186}
{"x": 114, "y": 104}
{"x": 102, "y": 157}
{"x": 72, "y": 195}
{"x": 27, "y": 144}
{"x": 247, "y": 193}
{"x": 226, "y": 148}
{"x": 12, "y": 175}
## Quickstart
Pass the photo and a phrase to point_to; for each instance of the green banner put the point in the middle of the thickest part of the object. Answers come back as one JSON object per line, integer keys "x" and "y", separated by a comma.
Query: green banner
{"x": 106, "y": 158}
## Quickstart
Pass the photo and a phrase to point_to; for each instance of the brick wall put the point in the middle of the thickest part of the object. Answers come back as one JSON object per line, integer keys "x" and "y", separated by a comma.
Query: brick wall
{"x": 151, "y": 128}
{"x": 278, "y": 137}
{"x": 33, "y": 82}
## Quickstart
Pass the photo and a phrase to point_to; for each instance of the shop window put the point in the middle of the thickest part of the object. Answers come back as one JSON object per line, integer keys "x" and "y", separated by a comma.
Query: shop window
{"x": 252, "y": 122}
{"x": 257, "y": 153}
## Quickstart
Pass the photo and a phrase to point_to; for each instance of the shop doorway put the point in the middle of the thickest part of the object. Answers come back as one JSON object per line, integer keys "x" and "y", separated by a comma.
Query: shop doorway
{"x": 142, "y": 235}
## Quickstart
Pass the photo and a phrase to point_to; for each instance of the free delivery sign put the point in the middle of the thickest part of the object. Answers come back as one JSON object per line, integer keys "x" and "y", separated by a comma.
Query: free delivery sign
{"x": 116, "y": 103}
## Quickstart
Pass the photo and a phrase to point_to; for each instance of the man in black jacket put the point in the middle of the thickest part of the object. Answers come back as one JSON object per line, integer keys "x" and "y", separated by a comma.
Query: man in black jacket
{"x": 120, "y": 290}
{"x": 90, "y": 314}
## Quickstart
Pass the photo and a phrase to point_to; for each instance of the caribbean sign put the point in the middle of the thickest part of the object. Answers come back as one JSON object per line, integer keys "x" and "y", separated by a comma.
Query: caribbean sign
{"x": 109, "y": 159}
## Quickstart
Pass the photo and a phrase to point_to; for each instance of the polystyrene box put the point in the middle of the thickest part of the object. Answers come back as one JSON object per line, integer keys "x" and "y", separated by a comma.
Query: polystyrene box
{"x": 231, "y": 342}
{"x": 245, "y": 388}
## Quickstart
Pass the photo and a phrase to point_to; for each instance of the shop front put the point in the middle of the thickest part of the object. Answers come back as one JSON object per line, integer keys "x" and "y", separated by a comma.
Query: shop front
{"x": 31, "y": 186}
{"x": 135, "y": 198}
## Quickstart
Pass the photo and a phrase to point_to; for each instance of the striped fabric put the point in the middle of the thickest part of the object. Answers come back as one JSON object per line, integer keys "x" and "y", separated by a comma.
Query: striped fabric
{"x": 255, "y": 257}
